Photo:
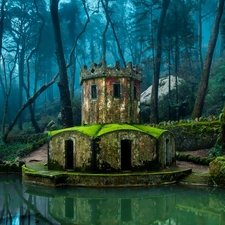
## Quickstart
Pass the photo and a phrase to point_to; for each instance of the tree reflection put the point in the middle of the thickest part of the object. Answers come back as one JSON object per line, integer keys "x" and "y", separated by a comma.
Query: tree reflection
{"x": 18, "y": 208}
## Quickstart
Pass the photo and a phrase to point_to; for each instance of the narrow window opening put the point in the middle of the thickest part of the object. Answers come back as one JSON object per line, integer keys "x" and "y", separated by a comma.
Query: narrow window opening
{"x": 116, "y": 90}
{"x": 93, "y": 91}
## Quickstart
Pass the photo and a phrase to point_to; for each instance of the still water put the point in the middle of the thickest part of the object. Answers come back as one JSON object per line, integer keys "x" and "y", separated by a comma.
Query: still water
{"x": 167, "y": 205}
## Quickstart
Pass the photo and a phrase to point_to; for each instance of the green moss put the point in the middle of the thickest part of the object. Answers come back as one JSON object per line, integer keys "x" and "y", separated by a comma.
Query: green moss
{"x": 58, "y": 174}
{"x": 107, "y": 128}
{"x": 217, "y": 167}
{"x": 54, "y": 165}
{"x": 194, "y": 159}
{"x": 97, "y": 130}
{"x": 90, "y": 130}
{"x": 199, "y": 127}
{"x": 220, "y": 158}
{"x": 155, "y": 132}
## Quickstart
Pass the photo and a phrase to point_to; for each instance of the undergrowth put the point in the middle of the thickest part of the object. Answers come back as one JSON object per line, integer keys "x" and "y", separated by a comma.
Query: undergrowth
{"x": 194, "y": 159}
{"x": 21, "y": 146}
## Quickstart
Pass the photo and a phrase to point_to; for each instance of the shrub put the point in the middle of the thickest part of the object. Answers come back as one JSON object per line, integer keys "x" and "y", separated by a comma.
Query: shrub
{"x": 194, "y": 159}
{"x": 217, "y": 150}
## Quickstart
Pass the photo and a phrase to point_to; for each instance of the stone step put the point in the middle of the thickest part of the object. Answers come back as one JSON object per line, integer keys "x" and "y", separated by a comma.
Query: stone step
{"x": 195, "y": 179}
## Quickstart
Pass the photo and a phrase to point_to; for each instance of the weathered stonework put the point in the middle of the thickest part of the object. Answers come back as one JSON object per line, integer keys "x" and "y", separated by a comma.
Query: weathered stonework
{"x": 143, "y": 148}
{"x": 104, "y": 107}
{"x": 112, "y": 147}
{"x": 111, "y": 138}
{"x": 167, "y": 148}
{"x": 81, "y": 151}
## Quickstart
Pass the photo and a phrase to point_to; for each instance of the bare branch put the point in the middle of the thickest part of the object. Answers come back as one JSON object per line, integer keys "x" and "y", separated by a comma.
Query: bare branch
{"x": 78, "y": 36}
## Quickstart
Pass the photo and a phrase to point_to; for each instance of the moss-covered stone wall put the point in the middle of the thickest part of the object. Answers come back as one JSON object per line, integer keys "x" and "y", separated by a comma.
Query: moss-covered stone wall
{"x": 108, "y": 149}
{"x": 166, "y": 149}
{"x": 81, "y": 151}
{"x": 187, "y": 139}
{"x": 193, "y": 135}
{"x": 105, "y": 108}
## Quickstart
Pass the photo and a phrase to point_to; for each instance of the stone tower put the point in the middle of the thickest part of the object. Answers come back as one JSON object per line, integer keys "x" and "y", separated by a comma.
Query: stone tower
{"x": 110, "y": 95}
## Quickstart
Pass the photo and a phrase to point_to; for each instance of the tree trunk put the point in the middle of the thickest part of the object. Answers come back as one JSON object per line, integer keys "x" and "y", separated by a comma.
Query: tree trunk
{"x": 21, "y": 71}
{"x": 155, "y": 84}
{"x": 33, "y": 120}
{"x": 199, "y": 102}
{"x": 27, "y": 103}
{"x": 2, "y": 24}
{"x": 73, "y": 75}
{"x": 222, "y": 37}
{"x": 169, "y": 88}
{"x": 4, "y": 114}
{"x": 200, "y": 36}
{"x": 66, "y": 108}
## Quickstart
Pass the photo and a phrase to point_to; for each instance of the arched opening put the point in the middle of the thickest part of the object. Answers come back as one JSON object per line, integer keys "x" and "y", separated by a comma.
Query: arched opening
{"x": 167, "y": 153}
{"x": 69, "y": 155}
{"x": 126, "y": 155}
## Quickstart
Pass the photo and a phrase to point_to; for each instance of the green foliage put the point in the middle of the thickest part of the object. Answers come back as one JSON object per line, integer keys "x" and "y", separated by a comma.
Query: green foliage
{"x": 19, "y": 146}
{"x": 217, "y": 167}
{"x": 217, "y": 150}
{"x": 180, "y": 109}
{"x": 214, "y": 100}
{"x": 11, "y": 167}
{"x": 194, "y": 159}
{"x": 9, "y": 152}
{"x": 76, "y": 105}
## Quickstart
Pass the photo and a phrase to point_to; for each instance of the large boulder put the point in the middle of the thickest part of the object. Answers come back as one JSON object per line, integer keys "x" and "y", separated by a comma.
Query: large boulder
{"x": 163, "y": 88}
{"x": 217, "y": 167}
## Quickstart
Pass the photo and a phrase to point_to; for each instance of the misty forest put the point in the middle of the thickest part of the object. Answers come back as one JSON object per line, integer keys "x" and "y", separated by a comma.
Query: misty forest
{"x": 44, "y": 44}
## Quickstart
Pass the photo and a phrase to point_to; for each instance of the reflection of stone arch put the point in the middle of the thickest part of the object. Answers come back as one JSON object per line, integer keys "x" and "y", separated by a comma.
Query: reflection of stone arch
{"x": 69, "y": 154}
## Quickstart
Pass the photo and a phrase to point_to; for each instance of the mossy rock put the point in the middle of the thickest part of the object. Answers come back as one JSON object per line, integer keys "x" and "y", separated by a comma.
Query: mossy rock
{"x": 217, "y": 167}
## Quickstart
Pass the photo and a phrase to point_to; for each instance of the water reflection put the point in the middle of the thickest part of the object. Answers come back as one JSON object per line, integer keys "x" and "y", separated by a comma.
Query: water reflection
{"x": 20, "y": 208}
{"x": 168, "y": 205}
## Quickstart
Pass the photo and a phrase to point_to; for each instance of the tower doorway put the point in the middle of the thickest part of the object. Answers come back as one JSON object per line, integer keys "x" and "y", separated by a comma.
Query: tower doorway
{"x": 69, "y": 154}
{"x": 126, "y": 155}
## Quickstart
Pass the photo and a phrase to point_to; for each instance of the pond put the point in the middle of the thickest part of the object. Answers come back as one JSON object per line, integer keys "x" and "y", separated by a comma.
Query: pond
{"x": 165, "y": 205}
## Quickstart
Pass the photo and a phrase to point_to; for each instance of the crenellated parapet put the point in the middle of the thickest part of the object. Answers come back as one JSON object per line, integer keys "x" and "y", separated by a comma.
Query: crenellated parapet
{"x": 102, "y": 70}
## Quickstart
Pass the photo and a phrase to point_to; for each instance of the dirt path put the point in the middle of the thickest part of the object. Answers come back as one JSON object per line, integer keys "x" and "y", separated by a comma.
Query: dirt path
{"x": 41, "y": 155}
